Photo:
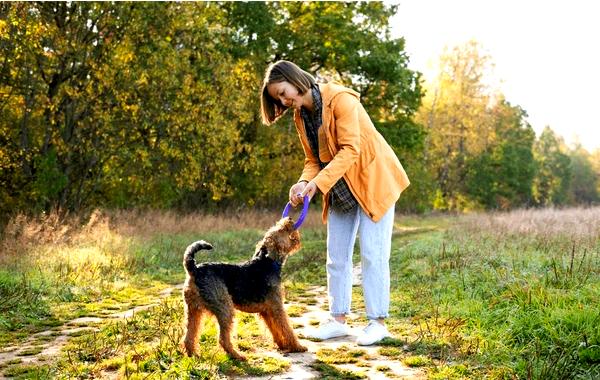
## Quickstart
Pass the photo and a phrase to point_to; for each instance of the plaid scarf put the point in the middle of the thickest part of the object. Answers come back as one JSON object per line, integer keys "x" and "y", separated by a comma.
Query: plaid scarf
{"x": 341, "y": 198}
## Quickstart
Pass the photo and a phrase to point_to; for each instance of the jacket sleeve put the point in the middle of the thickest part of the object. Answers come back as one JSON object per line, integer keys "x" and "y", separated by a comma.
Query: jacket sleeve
{"x": 347, "y": 133}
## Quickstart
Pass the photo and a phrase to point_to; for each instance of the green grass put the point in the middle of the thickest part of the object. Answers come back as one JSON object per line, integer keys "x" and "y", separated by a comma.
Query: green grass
{"x": 147, "y": 346}
{"x": 330, "y": 372}
{"x": 500, "y": 304}
{"x": 98, "y": 280}
{"x": 46, "y": 288}
{"x": 296, "y": 310}
{"x": 471, "y": 299}
{"x": 417, "y": 361}
{"x": 27, "y": 371}
{"x": 34, "y": 350}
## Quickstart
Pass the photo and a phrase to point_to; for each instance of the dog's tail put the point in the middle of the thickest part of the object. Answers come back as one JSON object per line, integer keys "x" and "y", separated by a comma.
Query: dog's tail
{"x": 189, "y": 263}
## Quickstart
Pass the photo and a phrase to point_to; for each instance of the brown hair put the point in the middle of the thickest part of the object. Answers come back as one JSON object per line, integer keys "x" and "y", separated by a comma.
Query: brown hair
{"x": 281, "y": 71}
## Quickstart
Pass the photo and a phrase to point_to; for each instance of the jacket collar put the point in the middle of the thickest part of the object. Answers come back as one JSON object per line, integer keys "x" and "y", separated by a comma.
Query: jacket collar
{"x": 328, "y": 92}
{"x": 331, "y": 89}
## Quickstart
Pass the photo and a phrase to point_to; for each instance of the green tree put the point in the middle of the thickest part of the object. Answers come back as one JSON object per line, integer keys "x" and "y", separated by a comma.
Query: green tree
{"x": 502, "y": 175}
{"x": 51, "y": 53}
{"x": 132, "y": 104}
{"x": 181, "y": 99}
{"x": 595, "y": 161}
{"x": 478, "y": 145}
{"x": 583, "y": 188}
{"x": 553, "y": 176}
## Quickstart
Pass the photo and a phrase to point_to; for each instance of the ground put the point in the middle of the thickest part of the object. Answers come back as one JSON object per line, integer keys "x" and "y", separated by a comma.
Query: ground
{"x": 354, "y": 362}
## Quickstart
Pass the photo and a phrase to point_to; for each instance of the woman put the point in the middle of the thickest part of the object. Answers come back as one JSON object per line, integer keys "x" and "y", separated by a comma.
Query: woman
{"x": 361, "y": 179}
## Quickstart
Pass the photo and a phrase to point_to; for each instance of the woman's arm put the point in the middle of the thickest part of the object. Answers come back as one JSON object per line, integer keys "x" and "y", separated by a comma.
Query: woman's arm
{"x": 347, "y": 131}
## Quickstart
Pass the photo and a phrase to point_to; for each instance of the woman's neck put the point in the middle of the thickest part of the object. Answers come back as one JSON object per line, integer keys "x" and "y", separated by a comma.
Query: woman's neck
{"x": 307, "y": 101}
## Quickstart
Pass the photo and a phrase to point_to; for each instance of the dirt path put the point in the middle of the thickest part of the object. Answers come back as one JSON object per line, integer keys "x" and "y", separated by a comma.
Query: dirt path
{"x": 300, "y": 367}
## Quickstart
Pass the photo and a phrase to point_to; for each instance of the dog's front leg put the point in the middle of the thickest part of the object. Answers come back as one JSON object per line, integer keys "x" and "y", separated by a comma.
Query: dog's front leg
{"x": 278, "y": 323}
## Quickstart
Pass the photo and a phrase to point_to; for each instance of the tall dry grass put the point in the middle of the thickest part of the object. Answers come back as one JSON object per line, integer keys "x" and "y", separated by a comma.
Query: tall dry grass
{"x": 23, "y": 233}
{"x": 576, "y": 224}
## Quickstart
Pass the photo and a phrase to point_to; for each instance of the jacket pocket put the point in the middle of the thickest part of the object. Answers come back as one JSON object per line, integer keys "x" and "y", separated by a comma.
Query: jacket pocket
{"x": 367, "y": 176}
{"x": 324, "y": 153}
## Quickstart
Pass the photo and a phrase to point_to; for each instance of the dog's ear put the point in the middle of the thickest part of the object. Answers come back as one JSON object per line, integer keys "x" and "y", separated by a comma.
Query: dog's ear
{"x": 261, "y": 253}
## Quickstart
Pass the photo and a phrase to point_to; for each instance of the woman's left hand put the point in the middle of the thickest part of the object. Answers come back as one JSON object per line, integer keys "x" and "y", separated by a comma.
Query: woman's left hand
{"x": 310, "y": 190}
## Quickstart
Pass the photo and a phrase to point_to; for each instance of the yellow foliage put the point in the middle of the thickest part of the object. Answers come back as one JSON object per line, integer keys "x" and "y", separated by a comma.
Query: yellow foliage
{"x": 143, "y": 80}
{"x": 125, "y": 56}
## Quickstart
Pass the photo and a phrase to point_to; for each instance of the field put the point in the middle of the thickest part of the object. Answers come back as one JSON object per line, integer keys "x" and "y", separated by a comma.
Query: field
{"x": 494, "y": 296}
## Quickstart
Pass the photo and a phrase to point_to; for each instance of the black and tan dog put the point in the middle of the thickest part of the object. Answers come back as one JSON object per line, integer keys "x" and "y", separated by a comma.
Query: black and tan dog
{"x": 252, "y": 287}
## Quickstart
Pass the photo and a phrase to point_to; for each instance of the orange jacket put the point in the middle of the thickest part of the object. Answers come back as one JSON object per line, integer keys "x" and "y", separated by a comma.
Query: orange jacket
{"x": 356, "y": 151}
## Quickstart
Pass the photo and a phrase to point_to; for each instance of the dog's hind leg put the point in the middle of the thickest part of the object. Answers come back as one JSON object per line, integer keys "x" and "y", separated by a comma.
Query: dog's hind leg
{"x": 225, "y": 318}
{"x": 192, "y": 329}
{"x": 219, "y": 303}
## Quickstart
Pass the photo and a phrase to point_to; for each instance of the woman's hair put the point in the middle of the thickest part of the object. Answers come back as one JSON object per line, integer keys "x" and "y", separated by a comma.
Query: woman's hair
{"x": 281, "y": 71}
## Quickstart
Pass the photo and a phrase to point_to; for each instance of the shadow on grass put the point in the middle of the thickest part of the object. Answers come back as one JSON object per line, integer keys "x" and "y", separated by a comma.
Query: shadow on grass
{"x": 255, "y": 366}
{"x": 330, "y": 372}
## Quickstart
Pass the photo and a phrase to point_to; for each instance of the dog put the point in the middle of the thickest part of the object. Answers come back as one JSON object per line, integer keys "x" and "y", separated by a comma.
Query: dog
{"x": 252, "y": 287}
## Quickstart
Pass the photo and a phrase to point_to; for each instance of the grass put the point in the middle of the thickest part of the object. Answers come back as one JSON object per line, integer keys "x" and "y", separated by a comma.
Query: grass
{"x": 513, "y": 293}
{"x": 296, "y": 310}
{"x": 496, "y": 296}
{"x": 417, "y": 361}
{"x": 340, "y": 355}
{"x": 330, "y": 372}
{"x": 51, "y": 274}
{"x": 27, "y": 371}
{"x": 147, "y": 345}
{"x": 31, "y": 351}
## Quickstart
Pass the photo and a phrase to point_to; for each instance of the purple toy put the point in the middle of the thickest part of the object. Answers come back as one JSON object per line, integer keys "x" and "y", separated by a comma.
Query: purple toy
{"x": 300, "y": 220}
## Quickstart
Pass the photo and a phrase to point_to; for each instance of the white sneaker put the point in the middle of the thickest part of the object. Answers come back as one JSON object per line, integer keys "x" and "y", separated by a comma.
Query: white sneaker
{"x": 327, "y": 330}
{"x": 373, "y": 333}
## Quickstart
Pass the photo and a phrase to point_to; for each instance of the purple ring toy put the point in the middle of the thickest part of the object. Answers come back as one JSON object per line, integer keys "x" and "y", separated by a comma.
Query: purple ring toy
{"x": 300, "y": 220}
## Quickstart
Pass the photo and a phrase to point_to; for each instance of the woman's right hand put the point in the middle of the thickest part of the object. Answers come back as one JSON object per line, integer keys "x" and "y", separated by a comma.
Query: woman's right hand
{"x": 295, "y": 191}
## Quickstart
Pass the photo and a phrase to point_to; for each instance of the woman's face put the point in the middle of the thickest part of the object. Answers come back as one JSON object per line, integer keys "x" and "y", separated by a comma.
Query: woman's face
{"x": 286, "y": 93}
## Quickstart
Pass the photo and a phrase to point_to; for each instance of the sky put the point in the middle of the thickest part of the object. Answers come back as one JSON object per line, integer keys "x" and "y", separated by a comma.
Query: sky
{"x": 546, "y": 54}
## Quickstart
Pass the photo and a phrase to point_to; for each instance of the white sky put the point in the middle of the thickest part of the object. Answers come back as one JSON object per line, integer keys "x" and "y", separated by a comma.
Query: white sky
{"x": 546, "y": 54}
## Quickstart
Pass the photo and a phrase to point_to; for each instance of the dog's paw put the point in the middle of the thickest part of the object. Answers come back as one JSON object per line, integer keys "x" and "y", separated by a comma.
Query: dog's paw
{"x": 302, "y": 349}
{"x": 297, "y": 348}
{"x": 237, "y": 356}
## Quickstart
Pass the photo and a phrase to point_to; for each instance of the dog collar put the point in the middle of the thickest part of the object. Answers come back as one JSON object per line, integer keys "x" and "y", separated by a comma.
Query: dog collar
{"x": 277, "y": 265}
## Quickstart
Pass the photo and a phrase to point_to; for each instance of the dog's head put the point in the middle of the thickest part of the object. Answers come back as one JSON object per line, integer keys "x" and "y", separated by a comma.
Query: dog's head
{"x": 280, "y": 241}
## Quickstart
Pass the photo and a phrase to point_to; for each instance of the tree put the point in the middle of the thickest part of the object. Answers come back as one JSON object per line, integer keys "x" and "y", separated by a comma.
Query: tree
{"x": 501, "y": 176}
{"x": 51, "y": 52}
{"x": 457, "y": 118}
{"x": 181, "y": 98}
{"x": 135, "y": 104}
{"x": 583, "y": 188}
{"x": 553, "y": 176}
{"x": 595, "y": 161}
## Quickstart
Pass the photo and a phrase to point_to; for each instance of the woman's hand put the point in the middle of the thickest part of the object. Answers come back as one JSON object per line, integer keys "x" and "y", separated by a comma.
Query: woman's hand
{"x": 296, "y": 189}
{"x": 299, "y": 190}
{"x": 310, "y": 189}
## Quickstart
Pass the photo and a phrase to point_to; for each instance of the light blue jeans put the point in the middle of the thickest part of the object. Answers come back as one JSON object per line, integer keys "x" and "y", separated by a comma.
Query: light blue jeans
{"x": 375, "y": 245}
